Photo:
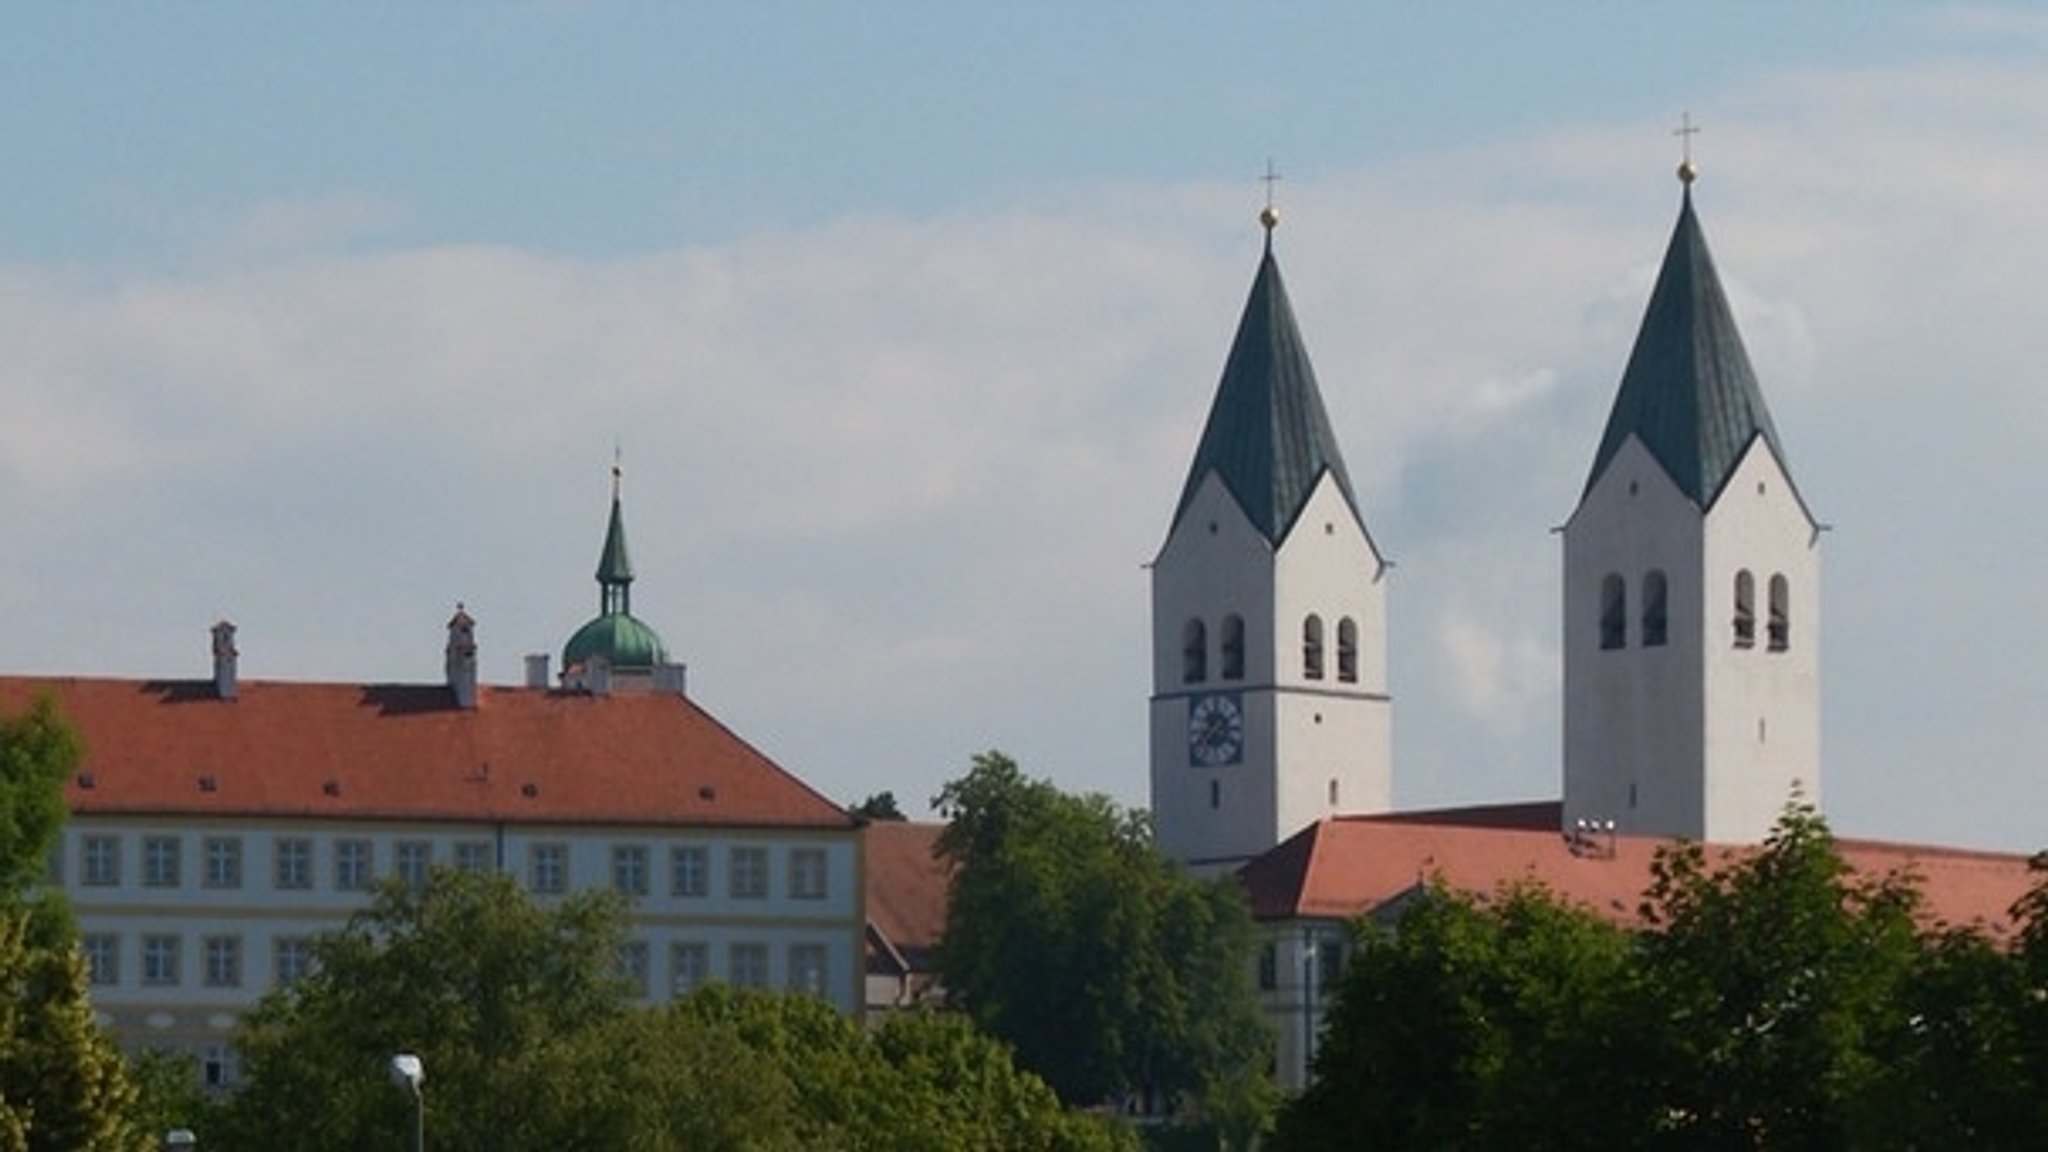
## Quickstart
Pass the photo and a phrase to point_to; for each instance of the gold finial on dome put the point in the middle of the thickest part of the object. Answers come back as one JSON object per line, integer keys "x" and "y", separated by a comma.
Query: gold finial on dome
{"x": 1685, "y": 131}
{"x": 1269, "y": 216}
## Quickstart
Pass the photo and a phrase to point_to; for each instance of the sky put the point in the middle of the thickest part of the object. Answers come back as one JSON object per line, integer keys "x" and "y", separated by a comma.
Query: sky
{"x": 905, "y": 317}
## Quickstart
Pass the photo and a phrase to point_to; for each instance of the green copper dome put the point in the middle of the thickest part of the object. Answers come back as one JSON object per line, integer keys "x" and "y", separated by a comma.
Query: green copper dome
{"x": 621, "y": 638}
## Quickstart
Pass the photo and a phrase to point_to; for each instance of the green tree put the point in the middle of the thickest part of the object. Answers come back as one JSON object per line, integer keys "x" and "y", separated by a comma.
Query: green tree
{"x": 1775, "y": 972}
{"x": 1108, "y": 969}
{"x": 1506, "y": 1024}
{"x": 880, "y": 806}
{"x": 63, "y": 1084}
{"x": 489, "y": 988}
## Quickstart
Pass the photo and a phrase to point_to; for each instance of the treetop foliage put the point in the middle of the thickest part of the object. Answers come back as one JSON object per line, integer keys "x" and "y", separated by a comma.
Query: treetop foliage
{"x": 1776, "y": 999}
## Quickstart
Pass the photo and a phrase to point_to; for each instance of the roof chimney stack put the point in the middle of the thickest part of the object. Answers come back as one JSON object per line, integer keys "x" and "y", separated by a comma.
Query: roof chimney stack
{"x": 536, "y": 670}
{"x": 461, "y": 661}
{"x": 224, "y": 653}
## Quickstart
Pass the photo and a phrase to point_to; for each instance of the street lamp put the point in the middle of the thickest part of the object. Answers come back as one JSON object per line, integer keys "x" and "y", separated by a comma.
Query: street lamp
{"x": 406, "y": 1069}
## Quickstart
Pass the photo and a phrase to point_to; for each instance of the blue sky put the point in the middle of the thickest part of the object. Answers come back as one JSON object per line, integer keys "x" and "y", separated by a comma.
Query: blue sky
{"x": 905, "y": 315}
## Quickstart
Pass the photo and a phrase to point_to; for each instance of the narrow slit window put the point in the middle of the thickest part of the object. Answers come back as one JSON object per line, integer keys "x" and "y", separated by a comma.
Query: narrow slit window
{"x": 1745, "y": 609}
{"x": 1781, "y": 613}
{"x": 1656, "y": 624}
{"x": 1312, "y": 648}
{"x": 1613, "y": 611}
{"x": 1347, "y": 650}
{"x": 1233, "y": 647}
{"x": 1194, "y": 653}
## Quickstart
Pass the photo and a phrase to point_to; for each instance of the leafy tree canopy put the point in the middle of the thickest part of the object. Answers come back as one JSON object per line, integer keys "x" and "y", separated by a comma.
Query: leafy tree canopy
{"x": 1107, "y": 968}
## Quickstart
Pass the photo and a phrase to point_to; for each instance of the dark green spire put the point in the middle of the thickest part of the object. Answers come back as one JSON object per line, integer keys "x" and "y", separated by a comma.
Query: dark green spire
{"x": 614, "y": 566}
{"x": 1268, "y": 438}
{"x": 1688, "y": 393}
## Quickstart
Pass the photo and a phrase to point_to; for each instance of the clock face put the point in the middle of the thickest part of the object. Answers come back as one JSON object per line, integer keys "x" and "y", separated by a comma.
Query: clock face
{"x": 1215, "y": 731}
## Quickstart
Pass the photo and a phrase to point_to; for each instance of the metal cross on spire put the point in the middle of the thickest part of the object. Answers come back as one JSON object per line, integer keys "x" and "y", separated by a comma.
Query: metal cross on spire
{"x": 1685, "y": 131}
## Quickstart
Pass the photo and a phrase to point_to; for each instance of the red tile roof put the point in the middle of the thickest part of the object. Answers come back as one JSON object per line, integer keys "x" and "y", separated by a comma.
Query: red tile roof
{"x": 405, "y": 752}
{"x": 907, "y": 889}
{"x": 1345, "y": 866}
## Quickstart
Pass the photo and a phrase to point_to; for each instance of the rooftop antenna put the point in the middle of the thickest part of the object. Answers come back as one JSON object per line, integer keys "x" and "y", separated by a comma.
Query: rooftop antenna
{"x": 1685, "y": 131}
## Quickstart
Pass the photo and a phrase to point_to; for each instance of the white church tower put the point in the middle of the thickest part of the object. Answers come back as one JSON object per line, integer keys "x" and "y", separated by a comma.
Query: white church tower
{"x": 1269, "y": 691}
{"x": 1691, "y": 586}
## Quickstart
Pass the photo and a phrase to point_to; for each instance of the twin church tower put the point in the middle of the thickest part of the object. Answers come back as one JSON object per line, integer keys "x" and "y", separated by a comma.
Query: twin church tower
{"x": 1691, "y": 599}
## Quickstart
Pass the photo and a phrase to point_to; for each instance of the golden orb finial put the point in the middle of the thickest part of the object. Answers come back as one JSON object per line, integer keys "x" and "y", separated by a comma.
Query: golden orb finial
{"x": 1687, "y": 173}
{"x": 1269, "y": 218}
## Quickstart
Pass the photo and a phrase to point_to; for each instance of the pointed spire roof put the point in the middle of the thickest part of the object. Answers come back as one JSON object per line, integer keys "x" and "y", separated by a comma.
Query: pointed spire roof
{"x": 1688, "y": 392}
{"x": 1268, "y": 438}
{"x": 614, "y": 566}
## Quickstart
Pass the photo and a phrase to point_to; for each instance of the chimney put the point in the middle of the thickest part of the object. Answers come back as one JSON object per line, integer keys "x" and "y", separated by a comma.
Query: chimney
{"x": 670, "y": 678}
{"x": 597, "y": 675}
{"x": 461, "y": 662}
{"x": 224, "y": 680}
{"x": 536, "y": 670}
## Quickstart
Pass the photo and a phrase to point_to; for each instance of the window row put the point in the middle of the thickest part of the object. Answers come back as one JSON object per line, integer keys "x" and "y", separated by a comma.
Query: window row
{"x": 1195, "y": 650}
{"x": 160, "y": 960}
{"x": 353, "y": 866}
{"x": 351, "y": 861}
{"x": 1654, "y": 622}
{"x": 746, "y": 966}
{"x": 689, "y": 871}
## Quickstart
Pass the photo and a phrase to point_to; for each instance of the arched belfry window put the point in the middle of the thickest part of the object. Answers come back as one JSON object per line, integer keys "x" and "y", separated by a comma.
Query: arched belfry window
{"x": 1781, "y": 613}
{"x": 1194, "y": 653}
{"x": 1745, "y": 609}
{"x": 1347, "y": 650}
{"x": 1233, "y": 647}
{"x": 1312, "y": 648}
{"x": 1613, "y": 611}
{"x": 1656, "y": 623}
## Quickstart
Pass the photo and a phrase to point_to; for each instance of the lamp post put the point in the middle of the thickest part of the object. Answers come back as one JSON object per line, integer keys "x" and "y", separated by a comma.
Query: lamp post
{"x": 406, "y": 1069}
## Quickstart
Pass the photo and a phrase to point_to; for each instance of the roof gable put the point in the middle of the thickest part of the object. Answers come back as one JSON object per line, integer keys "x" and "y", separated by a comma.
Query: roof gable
{"x": 1688, "y": 393}
{"x": 1268, "y": 437}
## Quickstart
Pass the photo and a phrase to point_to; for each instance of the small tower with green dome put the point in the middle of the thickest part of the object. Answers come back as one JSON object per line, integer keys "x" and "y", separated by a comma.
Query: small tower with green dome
{"x": 615, "y": 650}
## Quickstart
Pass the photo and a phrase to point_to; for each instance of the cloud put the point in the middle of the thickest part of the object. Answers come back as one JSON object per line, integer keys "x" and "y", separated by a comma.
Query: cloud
{"x": 891, "y": 480}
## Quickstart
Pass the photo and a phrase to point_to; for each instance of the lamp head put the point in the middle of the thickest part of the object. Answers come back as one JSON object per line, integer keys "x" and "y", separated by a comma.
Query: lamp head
{"x": 406, "y": 1069}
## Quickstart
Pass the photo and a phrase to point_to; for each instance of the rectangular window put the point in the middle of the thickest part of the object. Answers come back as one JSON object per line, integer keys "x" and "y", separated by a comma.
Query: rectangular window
{"x": 413, "y": 859}
{"x": 747, "y": 965}
{"x": 691, "y": 868}
{"x": 748, "y": 873}
{"x": 807, "y": 873}
{"x": 691, "y": 962}
{"x": 217, "y": 1067}
{"x": 632, "y": 966}
{"x": 629, "y": 869}
{"x": 547, "y": 869}
{"x": 291, "y": 862}
{"x": 223, "y": 961}
{"x": 807, "y": 968}
{"x": 223, "y": 861}
{"x": 102, "y": 866}
{"x": 102, "y": 958}
{"x": 160, "y": 861}
{"x": 1269, "y": 968}
{"x": 351, "y": 865}
{"x": 474, "y": 856}
{"x": 160, "y": 959}
{"x": 291, "y": 959}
